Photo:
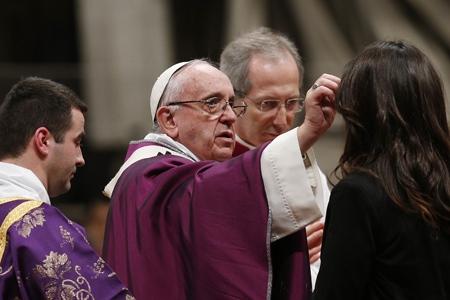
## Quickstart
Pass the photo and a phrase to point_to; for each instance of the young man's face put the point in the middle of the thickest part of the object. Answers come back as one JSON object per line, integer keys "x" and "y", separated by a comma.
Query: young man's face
{"x": 209, "y": 137}
{"x": 271, "y": 79}
{"x": 65, "y": 157}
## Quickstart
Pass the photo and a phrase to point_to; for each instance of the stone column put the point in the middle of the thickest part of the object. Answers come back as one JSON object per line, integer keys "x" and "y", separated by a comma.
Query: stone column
{"x": 125, "y": 45}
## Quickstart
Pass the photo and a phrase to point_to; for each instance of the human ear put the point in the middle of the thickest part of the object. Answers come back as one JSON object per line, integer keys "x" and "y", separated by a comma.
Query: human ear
{"x": 166, "y": 121}
{"x": 42, "y": 139}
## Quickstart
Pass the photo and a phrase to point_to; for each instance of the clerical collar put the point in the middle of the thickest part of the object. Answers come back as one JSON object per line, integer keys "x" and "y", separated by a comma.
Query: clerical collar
{"x": 16, "y": 181}
{"x": 168, "y": 142}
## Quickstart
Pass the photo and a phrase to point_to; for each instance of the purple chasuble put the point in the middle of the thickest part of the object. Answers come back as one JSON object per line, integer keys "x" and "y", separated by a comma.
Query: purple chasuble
{"x": 44, "y": 255}
{"x": 184, "y": 230}
{"x": 290, "y": 260}
{"x": 179, "y": 229}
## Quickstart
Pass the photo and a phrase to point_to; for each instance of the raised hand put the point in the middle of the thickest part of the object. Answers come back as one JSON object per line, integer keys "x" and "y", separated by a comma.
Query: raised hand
{"x": 319, "y": 110}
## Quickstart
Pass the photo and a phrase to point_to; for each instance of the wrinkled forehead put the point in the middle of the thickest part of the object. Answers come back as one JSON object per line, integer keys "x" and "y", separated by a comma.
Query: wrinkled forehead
{"x": 201, "y": 80}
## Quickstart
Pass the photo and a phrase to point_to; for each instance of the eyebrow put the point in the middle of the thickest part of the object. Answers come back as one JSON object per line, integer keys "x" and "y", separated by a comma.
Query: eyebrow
{"x": 81, "y": 136}
{"x": 216, "y": 95}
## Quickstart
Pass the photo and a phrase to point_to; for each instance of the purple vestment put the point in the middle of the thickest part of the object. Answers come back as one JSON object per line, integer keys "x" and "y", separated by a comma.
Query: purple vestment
{"x": 179, "y": 229}
{"x": 290, "y": 258}
{"x": 46, "y": 256}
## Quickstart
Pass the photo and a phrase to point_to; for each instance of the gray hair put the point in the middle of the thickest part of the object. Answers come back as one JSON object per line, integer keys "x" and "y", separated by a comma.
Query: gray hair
{"x": 235, "y": 58}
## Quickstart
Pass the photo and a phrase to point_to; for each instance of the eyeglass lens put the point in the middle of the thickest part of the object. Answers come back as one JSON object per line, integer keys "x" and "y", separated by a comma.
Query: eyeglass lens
{"x": 216, "y": 105}
{"x": 291, "y": 105}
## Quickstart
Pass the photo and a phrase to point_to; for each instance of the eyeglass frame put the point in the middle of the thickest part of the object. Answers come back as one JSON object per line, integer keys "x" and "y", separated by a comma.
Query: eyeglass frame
{"x": 224, "y": 108}
{"x": 258, "y": 105}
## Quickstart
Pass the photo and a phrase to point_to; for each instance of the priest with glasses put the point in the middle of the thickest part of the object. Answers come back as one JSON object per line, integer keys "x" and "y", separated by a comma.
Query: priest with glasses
{"x": 188, "y": 222}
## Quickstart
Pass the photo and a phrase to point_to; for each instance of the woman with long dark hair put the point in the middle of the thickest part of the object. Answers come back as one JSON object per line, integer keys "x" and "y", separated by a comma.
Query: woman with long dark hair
{"x": 387, "y": 229}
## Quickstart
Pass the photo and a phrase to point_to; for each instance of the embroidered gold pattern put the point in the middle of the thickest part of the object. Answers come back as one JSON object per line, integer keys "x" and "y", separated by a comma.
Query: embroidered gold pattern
{"x": 29, "y": 221}
{"x": 81, "y": 232}
{"x": 9, "y": 199}
{"x": 129, "y": 297}
{"x": 54, "y": 268}
{"x": 67, "y": 238}
{"x": 98, "y": 267}
{"x": 80, "y": 288}
{"x": 13, "y": 216}
{"x": 54, "y": 265}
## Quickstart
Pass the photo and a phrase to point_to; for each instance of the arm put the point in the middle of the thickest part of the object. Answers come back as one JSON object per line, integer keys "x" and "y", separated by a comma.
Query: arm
{"x": 294, "y": 202}
{"x": 56, "y": 261}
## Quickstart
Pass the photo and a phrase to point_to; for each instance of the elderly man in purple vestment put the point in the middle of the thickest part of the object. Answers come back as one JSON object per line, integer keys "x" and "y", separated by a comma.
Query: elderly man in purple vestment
{"x": 188, "y": 222}
{"x": 266, "y": 71}
{"x": 44, "y": 255}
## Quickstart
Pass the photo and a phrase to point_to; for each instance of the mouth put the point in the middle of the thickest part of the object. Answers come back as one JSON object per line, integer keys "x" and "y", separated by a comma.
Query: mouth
{"x": 226, "y": 135}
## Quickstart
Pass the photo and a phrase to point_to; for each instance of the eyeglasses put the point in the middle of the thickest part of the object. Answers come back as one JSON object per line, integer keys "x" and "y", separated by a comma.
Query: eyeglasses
{"x": 216, "y": 105}
{"x": 292, "y": 105}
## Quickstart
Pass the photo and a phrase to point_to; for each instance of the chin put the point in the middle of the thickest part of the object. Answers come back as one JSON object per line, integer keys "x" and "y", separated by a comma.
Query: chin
{"x": 269, "y": 137}
{"x": 223, "y": 155}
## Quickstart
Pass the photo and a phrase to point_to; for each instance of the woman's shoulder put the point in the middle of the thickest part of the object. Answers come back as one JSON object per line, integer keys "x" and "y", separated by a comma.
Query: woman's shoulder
{"x": 360, "y": 181}
{"x": 359, "y": 189}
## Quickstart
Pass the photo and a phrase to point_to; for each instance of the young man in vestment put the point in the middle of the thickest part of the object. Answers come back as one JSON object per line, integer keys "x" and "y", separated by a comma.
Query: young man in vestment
{"x": 44, "y": 255}
{"x": 266, "y": 71}
{"x": 188, "y": 222}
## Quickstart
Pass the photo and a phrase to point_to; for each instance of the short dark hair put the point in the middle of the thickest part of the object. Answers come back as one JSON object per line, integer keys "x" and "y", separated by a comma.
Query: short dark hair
{"x": 393, "y": 104}
{"x": 32, "y": 103}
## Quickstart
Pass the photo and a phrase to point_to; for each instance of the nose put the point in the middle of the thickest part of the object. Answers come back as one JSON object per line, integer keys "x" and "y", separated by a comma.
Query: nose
{"x": 228, "y": 116}
{"x": 80, "y": 160}
{"x": 281, "y": 117}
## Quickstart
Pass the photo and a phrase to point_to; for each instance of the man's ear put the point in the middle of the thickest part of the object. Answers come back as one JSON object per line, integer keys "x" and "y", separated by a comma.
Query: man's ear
{"x": 42, "y": 140}
{"x": 166, "y": 121}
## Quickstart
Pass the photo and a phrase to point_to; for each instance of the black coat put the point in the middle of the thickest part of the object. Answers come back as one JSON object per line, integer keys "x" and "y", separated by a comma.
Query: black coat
{"x": 374, "y": 250}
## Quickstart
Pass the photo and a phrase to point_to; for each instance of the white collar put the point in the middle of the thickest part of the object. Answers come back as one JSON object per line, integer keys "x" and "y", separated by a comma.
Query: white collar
{"x": 16, "y": 181}
{"x": 167, "y": 141}
{"x": 164, "y": 143}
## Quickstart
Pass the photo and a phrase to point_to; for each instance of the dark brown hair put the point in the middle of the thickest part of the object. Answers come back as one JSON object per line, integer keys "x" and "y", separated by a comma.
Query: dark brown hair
{"x": 32, "y": 103}
{"x": 392, "y": 101}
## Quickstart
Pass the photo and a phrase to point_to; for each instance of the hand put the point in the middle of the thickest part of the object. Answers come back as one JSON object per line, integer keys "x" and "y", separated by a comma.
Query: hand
{"x": 319, "y": 110}
{"x": 314, "y": 234}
